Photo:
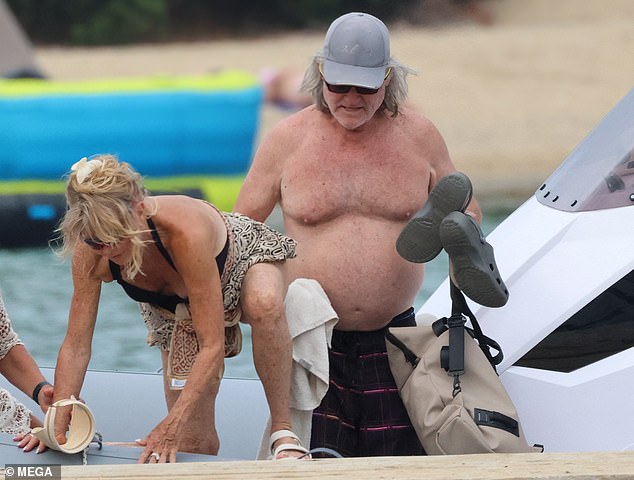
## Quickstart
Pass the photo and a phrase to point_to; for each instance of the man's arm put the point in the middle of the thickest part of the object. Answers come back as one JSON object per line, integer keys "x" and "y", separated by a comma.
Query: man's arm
{"x": 442, "y": 165}
{"x": 260, "y": 191}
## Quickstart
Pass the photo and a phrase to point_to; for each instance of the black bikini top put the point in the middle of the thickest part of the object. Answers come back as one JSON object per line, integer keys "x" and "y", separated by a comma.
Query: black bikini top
{"x": 162, "y": 300}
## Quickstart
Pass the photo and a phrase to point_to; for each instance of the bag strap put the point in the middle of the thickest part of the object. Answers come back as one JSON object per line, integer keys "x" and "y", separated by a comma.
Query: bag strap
{"x": 452, "y": 355}
{"x": 410, "y": 356}
{"x": 459, "y": 307}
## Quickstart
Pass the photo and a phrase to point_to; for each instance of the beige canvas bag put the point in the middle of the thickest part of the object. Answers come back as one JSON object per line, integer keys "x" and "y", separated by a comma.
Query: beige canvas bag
{"x": 455, "y": 408}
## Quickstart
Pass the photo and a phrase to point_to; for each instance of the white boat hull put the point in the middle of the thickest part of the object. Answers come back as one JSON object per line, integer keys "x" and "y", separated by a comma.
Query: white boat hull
{"x": 552, "y": 272}
{"x": 561, "y": 254}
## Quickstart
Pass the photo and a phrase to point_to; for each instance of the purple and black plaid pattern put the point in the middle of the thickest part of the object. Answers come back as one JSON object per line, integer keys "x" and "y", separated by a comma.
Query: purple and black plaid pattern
{"x": 362, "y": 413}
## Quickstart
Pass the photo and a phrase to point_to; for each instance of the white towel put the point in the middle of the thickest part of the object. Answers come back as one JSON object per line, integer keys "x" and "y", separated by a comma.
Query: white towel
{"x": 311, "y": 320}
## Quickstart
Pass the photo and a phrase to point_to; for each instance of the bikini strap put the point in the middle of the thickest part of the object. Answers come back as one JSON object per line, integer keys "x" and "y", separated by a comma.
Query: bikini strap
{"x": 159, "y": 243}
{"x": 115, "y": 270}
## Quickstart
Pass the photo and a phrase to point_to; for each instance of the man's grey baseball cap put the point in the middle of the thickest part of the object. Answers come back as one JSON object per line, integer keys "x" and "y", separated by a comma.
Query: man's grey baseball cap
{"x": 356, "y": 51}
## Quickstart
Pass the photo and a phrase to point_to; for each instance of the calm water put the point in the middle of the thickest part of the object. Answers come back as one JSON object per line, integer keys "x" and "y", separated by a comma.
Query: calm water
{"x": 36, "y": 287}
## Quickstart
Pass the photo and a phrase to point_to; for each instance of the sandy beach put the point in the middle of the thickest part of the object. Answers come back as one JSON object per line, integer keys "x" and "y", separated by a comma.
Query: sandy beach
{"x": 511, "y": 98}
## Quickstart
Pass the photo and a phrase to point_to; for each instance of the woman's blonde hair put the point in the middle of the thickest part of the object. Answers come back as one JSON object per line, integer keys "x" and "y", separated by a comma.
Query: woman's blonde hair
{"x": 100, "y": 197}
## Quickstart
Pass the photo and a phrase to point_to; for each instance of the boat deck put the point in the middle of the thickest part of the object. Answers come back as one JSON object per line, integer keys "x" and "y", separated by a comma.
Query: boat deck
{"x": 561, "y": 466}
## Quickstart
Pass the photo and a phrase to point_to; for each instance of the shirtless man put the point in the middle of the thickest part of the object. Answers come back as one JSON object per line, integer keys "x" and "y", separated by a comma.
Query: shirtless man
{"x": 348, "y": 173}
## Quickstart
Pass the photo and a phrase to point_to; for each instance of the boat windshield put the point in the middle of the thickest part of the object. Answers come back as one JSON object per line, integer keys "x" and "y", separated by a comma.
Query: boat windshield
{"x": 599, "y": 173}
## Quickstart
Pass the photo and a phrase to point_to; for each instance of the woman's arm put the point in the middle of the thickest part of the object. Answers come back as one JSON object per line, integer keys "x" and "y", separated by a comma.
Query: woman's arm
{"x": 74, "y": 354}
{"x": 192, "y": 249}
{"x": 17, "y": 365}
{"x": 21, "y": 370}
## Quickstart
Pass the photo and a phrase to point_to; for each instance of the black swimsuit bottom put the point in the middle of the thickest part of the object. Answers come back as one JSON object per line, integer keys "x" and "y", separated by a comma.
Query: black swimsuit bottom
{"x": 162, "y": 300}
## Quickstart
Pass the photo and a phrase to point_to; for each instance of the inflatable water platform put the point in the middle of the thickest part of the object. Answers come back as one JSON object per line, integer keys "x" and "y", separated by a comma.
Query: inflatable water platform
{"x": 192, "y": 135}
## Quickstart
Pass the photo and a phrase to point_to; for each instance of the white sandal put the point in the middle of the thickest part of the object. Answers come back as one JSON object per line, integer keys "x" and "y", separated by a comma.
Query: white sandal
{"x": 284, "y": 447}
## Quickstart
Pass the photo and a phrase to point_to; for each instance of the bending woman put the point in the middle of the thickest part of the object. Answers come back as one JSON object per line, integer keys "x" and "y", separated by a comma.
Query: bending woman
{"x": 197, "y": 272}
{"x": 18, "y": 366}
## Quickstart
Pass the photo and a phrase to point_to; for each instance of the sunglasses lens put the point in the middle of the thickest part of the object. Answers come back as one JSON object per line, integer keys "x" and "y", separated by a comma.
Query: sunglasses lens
{"x": 94, "y": 244}
{"x": 366, "y": 91}
{"x": 338, "y": 88}
{"x": 341, "y": 89}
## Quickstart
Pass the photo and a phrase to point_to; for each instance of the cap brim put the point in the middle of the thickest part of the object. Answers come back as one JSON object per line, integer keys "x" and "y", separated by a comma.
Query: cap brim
{"x": 340, "y": 74}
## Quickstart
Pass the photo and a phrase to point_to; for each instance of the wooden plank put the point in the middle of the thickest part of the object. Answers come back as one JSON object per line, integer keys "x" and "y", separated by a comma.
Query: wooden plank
{"x": 561, "y": 466}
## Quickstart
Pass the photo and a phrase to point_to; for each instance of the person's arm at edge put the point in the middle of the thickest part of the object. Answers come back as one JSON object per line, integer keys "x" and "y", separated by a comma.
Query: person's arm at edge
{"x": 19, "y": 367}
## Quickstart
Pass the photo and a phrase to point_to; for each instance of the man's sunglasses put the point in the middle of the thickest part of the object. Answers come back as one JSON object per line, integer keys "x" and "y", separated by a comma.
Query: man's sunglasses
{"x": 341, "y": 89}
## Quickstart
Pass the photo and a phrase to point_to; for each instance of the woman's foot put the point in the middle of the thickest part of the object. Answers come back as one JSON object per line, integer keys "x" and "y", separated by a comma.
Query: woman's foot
{"x": 284, "y": 444}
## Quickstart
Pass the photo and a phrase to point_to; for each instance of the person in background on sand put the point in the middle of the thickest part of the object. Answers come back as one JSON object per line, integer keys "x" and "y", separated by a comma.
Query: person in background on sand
{"x": 18, "y": 366}
{"x": 434, "y": 11}
{"x": 197, "y": 272}
{"x": 282, "y": 88}
{"x": 348, "y": 173}
{"x": 473, "y": 10}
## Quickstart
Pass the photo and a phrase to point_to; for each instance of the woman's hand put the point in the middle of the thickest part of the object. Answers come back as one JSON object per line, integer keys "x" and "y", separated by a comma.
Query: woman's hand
{"x": 45, "y": 397}
{"x": 28, "y": 442}
{"x": 62, "y": 422}
{"x": 161, "y": 444}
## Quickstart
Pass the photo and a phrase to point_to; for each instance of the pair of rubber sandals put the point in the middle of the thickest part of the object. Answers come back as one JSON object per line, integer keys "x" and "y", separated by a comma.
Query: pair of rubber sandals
{"x": 442, "y": 223}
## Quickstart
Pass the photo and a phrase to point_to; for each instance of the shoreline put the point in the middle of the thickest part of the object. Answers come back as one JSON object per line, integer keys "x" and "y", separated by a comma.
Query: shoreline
{"x": 512, "y": 99}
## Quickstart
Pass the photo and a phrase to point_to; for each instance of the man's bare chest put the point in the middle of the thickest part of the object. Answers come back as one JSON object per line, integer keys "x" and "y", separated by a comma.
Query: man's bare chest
{"x": 322, "y": 184}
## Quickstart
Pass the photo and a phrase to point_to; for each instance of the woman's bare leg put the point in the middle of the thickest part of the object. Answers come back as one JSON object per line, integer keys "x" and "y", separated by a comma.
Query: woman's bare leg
{"x": 262, "y": 301}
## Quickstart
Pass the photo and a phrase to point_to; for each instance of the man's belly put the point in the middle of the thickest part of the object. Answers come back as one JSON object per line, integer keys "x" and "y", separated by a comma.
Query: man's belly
{"x": 367, "y": 282}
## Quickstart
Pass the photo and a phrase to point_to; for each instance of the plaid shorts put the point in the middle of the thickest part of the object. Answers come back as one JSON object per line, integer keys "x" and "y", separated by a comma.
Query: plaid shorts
{"x": 362, "y": 413}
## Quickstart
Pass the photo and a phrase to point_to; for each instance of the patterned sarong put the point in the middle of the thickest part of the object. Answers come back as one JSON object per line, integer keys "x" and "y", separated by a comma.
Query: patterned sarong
{"x": 250, "y": 242}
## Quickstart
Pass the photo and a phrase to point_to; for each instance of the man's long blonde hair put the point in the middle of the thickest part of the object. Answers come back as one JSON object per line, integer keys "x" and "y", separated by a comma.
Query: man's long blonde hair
{"x": 100, "y": 195}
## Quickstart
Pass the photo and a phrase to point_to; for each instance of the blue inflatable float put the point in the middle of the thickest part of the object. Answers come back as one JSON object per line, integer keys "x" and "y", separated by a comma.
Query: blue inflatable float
{"x": 184, "y": 134}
